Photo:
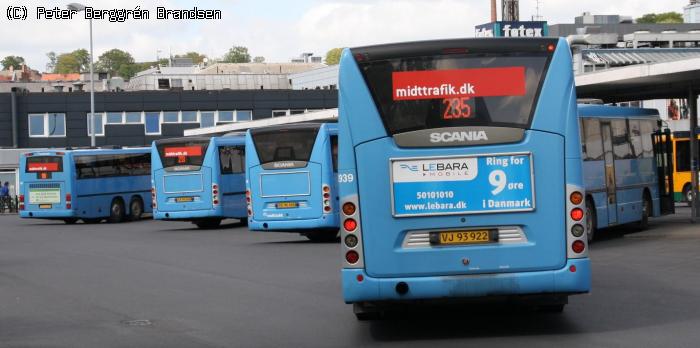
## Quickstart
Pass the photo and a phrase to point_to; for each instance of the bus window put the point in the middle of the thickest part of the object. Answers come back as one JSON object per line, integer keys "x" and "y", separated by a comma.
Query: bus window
{"x": 647, "y": 129}
{"x": 182, "y": 156}
{"x": 683, "y": 156}
{"x": 592, "y": 140}
{"x": 334, "y": 152}
{"x": 621, "y": 144}
{"x": 232, "y": 159}
{"x": 284, "y": 145}
{"x": 46, "y": 164}
{"x": 104, "y": 166}
{"x": 636, "y": 138}
{"x": 510, "y": 104}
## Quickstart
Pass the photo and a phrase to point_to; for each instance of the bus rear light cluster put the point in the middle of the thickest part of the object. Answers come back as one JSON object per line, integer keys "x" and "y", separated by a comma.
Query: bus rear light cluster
{"x": 21, "y": 202}
{"x": 154, "y": 205}
{"x": 248, "y": 202}
{"x": 69, "y": 201}
{"x": 327, "y": 199}
{"x": 351, "y": 234}
{"x": 575, "y": 222}
{"x": 215, "y": 194}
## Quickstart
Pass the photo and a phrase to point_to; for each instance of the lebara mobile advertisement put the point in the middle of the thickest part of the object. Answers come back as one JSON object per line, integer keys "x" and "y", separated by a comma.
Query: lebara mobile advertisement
{"x": 459, "y": 185}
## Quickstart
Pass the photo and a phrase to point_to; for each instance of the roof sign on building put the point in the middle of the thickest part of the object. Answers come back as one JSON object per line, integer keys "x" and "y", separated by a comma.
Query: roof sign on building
{"x": 512, "y": 29}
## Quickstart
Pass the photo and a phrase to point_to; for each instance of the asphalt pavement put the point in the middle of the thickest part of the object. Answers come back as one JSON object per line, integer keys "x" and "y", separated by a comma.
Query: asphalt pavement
{"x": 168, "y": 284}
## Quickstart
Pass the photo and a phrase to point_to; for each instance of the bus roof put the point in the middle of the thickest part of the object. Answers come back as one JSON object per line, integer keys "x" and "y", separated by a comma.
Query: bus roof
{"x": 308, "y": 125}
{"x": 588, "y": 110}
{"x": 97, "y": 151}
{"x": 181, "y": 139}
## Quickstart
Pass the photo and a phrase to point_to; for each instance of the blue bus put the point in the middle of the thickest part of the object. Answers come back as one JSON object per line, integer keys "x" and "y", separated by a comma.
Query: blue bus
{"x": 460, "y": 174}
{"x": 199, "y": 179}
{"x": 619, "y": 166}
{"x": 90, "y": 185}
{"x": 291, "y": 179}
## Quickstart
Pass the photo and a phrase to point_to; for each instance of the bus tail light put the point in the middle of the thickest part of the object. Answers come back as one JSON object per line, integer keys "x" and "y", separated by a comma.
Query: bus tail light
{"x": 326, "y": 199}
{"x": 154, "y": 205}
{"x": 575, "y": 222}
{"x": 248, "y": 201}
{"x": 351, "y": 233}
{"x": 68, "y": 201}
{"x": 21, "y": 202}
{"x": 215, "y": 194}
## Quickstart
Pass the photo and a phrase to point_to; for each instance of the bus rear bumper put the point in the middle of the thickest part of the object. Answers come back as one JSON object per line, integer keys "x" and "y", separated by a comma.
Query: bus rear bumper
{"x": 47, "y": 214}
{"x": 186, "y": 215}
{"x": 560, "y": 282}
{"x": 330, "y": 221}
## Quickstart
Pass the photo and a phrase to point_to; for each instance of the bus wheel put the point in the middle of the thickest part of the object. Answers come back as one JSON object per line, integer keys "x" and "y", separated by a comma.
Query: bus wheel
{"x": 116, "y": 211}
{"x": 135, "y": 209}
{"x": 208, "y": 223}
{"x": 70, "y": 221}
{"x": 590, "y": 220}
{"x": 688, "y": 195}
{"x": 323, "y": 236}
{"x": 646, "y": 212}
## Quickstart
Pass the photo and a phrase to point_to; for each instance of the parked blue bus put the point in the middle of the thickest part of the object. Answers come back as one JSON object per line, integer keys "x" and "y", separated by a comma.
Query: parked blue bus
{"x": 291, "y": 179}
{"x": 199, "y": 179}
{"x": 460, "y": 173}
{"x": 90, "y": 184}
{"x": 619, "y": 166}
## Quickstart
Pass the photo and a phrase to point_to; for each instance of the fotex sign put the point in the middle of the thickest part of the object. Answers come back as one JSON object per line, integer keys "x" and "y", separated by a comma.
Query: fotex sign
{"x": 512, "y": 29}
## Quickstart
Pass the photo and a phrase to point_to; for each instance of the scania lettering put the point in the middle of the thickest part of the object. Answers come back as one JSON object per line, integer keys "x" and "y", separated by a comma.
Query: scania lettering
{"x": 490, "y": 174}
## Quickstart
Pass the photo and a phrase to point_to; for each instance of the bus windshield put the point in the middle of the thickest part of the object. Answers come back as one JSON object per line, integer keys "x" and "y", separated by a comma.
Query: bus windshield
{"x": 185, "y": 155}
{"x": 44, "y": 164}
{"x": 411, "y": 93}
{"x": 284, "y": 144}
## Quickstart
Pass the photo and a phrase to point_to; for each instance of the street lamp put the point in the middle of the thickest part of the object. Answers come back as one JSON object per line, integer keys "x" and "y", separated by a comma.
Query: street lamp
{"x": 80, "y": 7}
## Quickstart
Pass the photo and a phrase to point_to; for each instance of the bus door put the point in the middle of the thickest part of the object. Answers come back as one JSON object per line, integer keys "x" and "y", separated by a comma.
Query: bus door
{"x": 608, "y": 157}
{"x": 663, "y": 153}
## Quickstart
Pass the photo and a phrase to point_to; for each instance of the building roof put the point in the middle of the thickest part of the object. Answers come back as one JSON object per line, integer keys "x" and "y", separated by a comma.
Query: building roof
{"x": 60, "y": 77}
{"x": 630, "y": 56}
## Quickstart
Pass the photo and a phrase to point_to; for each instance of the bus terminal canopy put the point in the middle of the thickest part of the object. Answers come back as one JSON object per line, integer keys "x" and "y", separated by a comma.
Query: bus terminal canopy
{"x": 663, "y": 80}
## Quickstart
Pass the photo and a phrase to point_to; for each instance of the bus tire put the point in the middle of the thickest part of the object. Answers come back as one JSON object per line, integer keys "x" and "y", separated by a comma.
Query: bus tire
{"x": 687, "y": 195}
{"x": 208, "y": 224}
{"x": 116, "y": 211}
{"x": 646, "y": 212}
{"x": 70, "y": 221}
{"x": 591, "y": 220}
{"x": 363, "y": 313}
{"x": 323, "y": 236}
{"x": 135, "y": 209}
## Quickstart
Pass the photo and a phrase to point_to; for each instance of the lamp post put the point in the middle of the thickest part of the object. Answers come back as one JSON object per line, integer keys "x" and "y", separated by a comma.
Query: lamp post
{"x": 80, "y": 7}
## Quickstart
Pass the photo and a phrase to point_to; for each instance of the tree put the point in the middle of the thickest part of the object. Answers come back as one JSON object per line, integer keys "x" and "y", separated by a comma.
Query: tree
{"x": 237, "y": 54}
{"x": 12, "y": 61}
{"x": 73, "y": 62}
{"x": 117, "y": 63}
{"x": 51, "y": 65}
{"x": 666, "y": 17}
{"x": 333, "y": 56}
{"x": 259, "y": 59}
{"x": 196, "y": 57}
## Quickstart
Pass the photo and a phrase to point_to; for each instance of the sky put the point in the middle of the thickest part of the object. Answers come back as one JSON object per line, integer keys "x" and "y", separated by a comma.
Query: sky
{"x": 277, "y": 30}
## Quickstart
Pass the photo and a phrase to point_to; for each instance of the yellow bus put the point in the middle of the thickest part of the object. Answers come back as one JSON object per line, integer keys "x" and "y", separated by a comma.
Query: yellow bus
{"x": 681, "y": 170}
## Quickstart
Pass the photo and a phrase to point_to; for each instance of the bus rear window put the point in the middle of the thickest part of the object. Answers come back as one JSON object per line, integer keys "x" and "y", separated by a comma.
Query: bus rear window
{"x": 44, "y": 164}
{"x": 455, "y": 90}
{"x": 186, "y": 155}
{"x": 284, "y": 144}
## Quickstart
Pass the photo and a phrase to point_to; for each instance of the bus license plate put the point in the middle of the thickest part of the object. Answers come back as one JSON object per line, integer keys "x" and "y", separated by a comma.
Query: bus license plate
{"x": 44, "y": 206}
{"x": 184, "y": 199}
{"x": 287, "y": 205}
{"x": 463, "y": 237}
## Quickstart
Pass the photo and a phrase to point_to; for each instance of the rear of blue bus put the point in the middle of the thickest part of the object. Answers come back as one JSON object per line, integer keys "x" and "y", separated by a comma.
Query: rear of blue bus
{"x": 291, "y": 185}
{"x": 46, "y": 183}
{"x": 185, "y": 180}
{"x": 460, "y": 172}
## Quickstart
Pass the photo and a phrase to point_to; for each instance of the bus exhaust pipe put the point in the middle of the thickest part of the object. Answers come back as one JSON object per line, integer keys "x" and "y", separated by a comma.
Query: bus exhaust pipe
{"x": 402, "y": 288}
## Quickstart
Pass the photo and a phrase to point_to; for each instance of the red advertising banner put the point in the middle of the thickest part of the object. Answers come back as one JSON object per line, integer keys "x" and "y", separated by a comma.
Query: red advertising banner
{"x": 437, "y": 84}
{"x": 183, "y": 151}
{"x": 42, "y": 167}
